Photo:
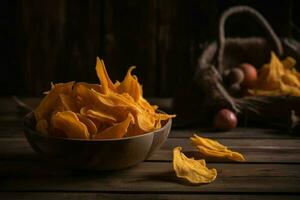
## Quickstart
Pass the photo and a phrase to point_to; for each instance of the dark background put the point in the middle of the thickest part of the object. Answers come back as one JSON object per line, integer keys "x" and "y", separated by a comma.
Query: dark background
{"x": 58, "y": 40}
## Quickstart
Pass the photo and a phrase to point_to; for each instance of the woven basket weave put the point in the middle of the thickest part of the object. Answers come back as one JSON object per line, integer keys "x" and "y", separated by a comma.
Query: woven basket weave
{"x": 227, "y": 53}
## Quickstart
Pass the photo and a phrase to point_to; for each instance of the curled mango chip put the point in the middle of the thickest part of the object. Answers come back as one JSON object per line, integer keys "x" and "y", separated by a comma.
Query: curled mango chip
{"x": 52, "y": 100}
{"x": 93, "y": 111}
{"x": 213, "y": 148}
{"x": 91, "y": 126}
{"x": 289, "y": 62}
{"x": 105, "y": 81}
{"x": 195, "y": 171}
{"x": 67, "y": 103}
{"x": 130, "y": 85}
{"x": 277, "y": 78}
{"x": 68, "y": 123}
{"x": 116, "y": 131}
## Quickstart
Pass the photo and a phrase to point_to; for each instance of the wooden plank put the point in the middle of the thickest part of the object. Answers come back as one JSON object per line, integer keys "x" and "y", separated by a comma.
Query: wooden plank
{"x": 256, "y": 156}
{"x": 245, "y": 133}
{"x": 255, "y": 151}
{"x": 239, "y": 143}
{"x": 149, "y": 177}
{"x": 96, "y": 196}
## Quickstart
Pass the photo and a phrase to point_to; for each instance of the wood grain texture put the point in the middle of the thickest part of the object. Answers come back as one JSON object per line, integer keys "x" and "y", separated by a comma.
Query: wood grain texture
{"x": 146, "y": 196}
{"x": 246, "y": 133}
{"x": 149, "y": 177}
{"x": 130, "y": 39}
{"x": 255, "y": 151}
{"x": 272, "y": 166}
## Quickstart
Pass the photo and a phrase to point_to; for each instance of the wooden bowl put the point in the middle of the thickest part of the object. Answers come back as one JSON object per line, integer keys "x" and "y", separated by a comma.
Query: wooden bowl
{"x": 105, "y": 154}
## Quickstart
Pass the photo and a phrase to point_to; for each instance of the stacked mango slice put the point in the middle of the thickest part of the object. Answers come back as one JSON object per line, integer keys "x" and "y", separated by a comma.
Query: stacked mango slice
{"x": 196, "y": 171}
{"x": 279, "y": 77}
{"x": 92, "y": 111}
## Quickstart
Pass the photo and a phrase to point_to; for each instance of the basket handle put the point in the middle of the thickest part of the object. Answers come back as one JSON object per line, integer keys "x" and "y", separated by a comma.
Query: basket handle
{"x": 252, "y": 12}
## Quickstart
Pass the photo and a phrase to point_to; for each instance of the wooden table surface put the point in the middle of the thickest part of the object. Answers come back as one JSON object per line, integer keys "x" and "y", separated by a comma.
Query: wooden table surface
{"x": 272, "y": 170}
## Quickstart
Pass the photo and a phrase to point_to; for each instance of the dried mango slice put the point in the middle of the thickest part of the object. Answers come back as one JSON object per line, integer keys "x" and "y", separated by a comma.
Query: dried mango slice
{"x": 99, "y": 110}
{"x": 92, "y": 128}
{"x": 100, "y": 116}
{"x": 195, "y": 171}
{"x": 68, "y": 122}
{"x": 90, "y": 86}
{"x": 83, "y": 95}
{"x": 289, "y": 90}
{"x": 211, "y": 144}
{"x": 52, "y": 100}
{"x": 68, "y": 103}
{"x": 130, "y": 85}
{"x": 42, "y": 126}
{"x": 269, "y": 74}
{"x": 116, "y": 131}
{"x": 290, "y": 79}
{"x": 277, "y": 78}
{"x": 231, "y": 155}
{"x": 119, "y": 106}
{"x": 289, "y": 62}
{"x": 105, "y": 81}
{"x": 213, "y": 148}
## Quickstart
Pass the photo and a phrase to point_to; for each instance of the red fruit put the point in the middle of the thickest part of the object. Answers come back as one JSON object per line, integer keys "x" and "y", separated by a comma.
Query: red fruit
{"x": 225, "y": 120}
{"x": 250, "y": 75}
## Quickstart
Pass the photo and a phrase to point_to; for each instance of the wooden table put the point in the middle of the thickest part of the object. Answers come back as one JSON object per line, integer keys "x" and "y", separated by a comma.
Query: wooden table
{"x": 272, "y": 170}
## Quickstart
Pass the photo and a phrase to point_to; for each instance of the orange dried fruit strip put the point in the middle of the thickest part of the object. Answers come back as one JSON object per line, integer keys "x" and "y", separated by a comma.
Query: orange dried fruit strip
{"x": 130, "y": 85}
{"x": 105, "y": 81}
{"x": 98, "y": 109}
{"x": 68, "y": 103}
{"x": 52, "y": 100}
{"x": 277, "y": 78}
{"x": 70, "y": 125}
{"x": 116, "y": 131}
{"x": 92, "y": 128}
{"x": 213, "y": 148}
{"x": 100, "y": 116}
{"x": 195, "y": 171}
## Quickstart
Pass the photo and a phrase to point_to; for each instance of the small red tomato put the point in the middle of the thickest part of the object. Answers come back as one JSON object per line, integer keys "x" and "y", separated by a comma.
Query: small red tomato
{"x": 225, "y": 120}
{"x": 250, "y": 75}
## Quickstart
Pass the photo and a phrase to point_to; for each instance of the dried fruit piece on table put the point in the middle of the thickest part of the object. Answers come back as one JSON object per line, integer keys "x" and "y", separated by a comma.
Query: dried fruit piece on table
{"x": 213, "y": 148}
{"x": 195, "y": 171}
{"x": 70, "y": 125}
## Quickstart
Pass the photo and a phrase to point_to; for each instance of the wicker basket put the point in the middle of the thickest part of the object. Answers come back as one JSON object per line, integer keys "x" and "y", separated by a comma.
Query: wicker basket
{"x": 219, "y": 56}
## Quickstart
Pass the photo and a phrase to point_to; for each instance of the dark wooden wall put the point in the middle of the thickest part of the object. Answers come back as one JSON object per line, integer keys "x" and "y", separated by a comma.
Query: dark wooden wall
{"x": 58, "y": 40}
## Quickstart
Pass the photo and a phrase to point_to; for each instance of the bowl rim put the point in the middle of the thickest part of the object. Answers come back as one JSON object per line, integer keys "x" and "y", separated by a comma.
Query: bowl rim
{"x": 33, "y": 131}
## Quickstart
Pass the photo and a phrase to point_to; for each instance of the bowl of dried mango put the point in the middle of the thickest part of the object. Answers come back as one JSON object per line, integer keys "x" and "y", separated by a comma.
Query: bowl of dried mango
{"x": 104, "y": 126}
